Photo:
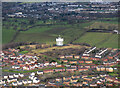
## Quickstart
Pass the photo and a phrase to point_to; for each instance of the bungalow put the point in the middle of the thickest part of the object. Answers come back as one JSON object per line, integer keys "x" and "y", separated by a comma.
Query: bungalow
{"x": 48, "y": 71}
{"x": 40, "y": 72}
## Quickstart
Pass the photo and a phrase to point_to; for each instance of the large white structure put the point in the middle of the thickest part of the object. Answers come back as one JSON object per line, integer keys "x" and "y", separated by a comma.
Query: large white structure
{"x": 59, "y": 41}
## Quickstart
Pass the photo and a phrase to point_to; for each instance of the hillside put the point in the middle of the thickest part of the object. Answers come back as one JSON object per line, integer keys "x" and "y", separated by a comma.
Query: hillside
{"x": 17, "y": 30}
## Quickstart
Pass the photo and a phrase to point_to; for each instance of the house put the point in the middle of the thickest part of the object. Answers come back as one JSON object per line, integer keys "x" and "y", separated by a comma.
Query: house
{"x": 76, "y": 56}
{"x": 32, "y": 74}
{"x": 73, "y": 80}
{"x": 82, "y": 69}
{"x": 48, "y": 71}
{"x": 14, "y": 84}
{"x": 36, "y": 81}
{"x": 93, "y": 58}
{"x": 5, "y": 77}
{"x": 80, "y": 61}
{"x": 46, "y": 63}
{"x": 75, "y": 76}
{"x": 73, "y": 62}
{"x": 69, "y": 56}
{"x": 88, "y": 61}
{"x": 88, "y": 78}
{"x": 24, "y": 82}
{"x": 85, "y": 57}
{"x": 61, "y": 57}
{"x": 98, "y": 68}
{"x": 11, "y": 76}
{"x": 102, "y": 68}
{"x": 58, "y": 79}
{"x": 65, "y": 60}
{"x": 70, "y": 69}
{"x": 59, "y": 70}
{"x": 16, "y": 75}
{"x": 29, "y": 81}
{"x": 59, "y": 65}
{"x": 93, "y": 85}
{"x": 53, "y": 63}
{"x": 67, "y": 82}
{"x": 19, "y": 82}
{"x": 21, "y": 75}
{"x": 99, "y": 82}
{"x": 40, "y": 72}
{"x": 66, "y": 78}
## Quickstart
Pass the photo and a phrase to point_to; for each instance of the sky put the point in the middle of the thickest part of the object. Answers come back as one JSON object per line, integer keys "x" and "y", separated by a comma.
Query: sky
{"x": 56, "y": 0}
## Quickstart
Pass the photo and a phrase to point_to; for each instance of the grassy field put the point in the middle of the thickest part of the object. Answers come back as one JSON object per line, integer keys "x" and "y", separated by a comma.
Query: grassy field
{"x": 51, "y": 48}
{"x": 45, "y": 33}
{"x": 99, "y": 39}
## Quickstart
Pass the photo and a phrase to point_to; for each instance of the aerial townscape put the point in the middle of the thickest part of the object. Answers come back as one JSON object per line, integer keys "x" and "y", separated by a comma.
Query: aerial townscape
{"x": 60, "y": 45}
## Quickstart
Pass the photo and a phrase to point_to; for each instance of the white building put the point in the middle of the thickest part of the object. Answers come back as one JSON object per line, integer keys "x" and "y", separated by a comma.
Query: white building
{"x": 59, "y": 41}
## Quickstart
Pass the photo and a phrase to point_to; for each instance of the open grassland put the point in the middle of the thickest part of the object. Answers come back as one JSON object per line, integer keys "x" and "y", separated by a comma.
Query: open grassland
{"x": 99, "y": 39}
{"x": 56, "y": 47}
{"x": 46, "y": 32}
{"x": 7, "y": 35}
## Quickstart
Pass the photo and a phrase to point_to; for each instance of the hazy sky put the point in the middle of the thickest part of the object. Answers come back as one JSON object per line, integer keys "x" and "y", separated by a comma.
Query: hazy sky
{"x": 55, "y": 0}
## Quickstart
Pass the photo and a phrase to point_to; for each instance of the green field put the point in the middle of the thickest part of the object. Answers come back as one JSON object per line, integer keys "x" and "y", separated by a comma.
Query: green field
{"x": 46, "y": 32}
{"x": 99, "y": 39}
